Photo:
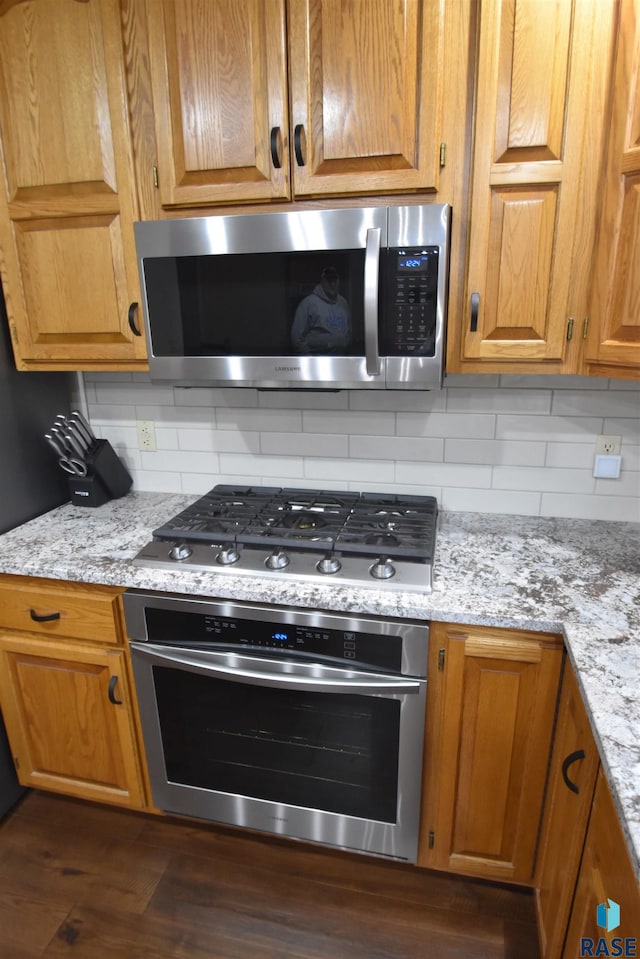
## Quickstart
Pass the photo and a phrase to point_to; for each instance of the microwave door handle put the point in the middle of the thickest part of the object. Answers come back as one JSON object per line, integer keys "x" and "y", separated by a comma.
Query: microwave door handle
{"x": 364, "y": 683}
{"x": 371, "y": 282}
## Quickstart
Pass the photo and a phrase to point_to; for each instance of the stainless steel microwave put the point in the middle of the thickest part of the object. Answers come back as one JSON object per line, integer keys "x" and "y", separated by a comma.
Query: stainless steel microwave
{"x": 316, "y": 299}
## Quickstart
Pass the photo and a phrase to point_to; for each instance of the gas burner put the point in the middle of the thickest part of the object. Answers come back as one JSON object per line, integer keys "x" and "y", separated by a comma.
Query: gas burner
{"x": 381, "y": 539}
{"x": 304, "y": 520}
{"x": 361, "y": 539}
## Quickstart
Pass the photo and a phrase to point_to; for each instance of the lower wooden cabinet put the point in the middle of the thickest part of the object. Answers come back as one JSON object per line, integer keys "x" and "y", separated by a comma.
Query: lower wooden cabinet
{"x": 491, "y": 703}
{"x": 606, "y": 878}
{"x": 67, "y": 709}
{"x": 64, "y": 690}
{"x": 574, "y": 767}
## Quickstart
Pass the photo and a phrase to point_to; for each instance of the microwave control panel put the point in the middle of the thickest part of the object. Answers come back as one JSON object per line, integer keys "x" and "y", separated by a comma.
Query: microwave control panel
{"x": 409, "y": 326}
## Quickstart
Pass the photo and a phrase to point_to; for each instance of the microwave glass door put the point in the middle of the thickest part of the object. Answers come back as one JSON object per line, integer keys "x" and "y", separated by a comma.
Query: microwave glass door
{"x": 308, "y": 303}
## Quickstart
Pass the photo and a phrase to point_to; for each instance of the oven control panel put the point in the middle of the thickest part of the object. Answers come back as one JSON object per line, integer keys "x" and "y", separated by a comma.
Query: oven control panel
{"x": 201, "y": 629}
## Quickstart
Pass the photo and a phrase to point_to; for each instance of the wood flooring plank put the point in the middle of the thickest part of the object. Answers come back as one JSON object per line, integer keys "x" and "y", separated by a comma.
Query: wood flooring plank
{"x": 26, "y": 926}
{"x": 339, "y": 868}
{"x": 100, "y": 882}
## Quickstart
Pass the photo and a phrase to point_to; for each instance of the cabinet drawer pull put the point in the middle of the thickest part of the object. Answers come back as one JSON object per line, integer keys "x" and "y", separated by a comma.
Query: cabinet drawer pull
{"x": 475, "y": 306}
{"x": 297, "y": 144}
{"x": 132, "y": 320}
{"x": 274, "y": 142}
{"x": 43, "y": 619}
{"x": 112, "y": 691}
{"x": 571, "y": 758}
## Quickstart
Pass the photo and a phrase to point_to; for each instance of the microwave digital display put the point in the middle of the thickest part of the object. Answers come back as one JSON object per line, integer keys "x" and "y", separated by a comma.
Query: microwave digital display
{"x": 415, "y": 263}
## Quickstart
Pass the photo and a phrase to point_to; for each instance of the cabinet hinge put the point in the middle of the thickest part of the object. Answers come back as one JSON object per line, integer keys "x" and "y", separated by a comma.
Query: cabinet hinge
{"x": 440, "y": 660}
{"x": 443, "y": 154}
{"x": 585, "y": 327}
{"x": 432, "y": 839}
{"x": 14, "y": 333}
{"x": 155, "y": 177}
{"x": 16, "y": 762}
{"x": 569, "y": 328}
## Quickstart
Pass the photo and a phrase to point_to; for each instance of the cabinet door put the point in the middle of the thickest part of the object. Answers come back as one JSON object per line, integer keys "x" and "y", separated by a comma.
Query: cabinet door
{"x": 606, "y": 873}
{"x": 219, "y": 79}
{"x": 541, "y": 98}
{"x": 67, "y": 206}
{"x": 613, "y": 346}
{"x": 366, "y": 94}
{"x": 67, "y": 709}
{"x": 574, "y": 768}
{"x": 488, "y": 742}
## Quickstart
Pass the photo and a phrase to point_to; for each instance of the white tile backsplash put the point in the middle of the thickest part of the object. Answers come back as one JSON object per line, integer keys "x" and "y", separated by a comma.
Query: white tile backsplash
{"x": 488, "y": 443}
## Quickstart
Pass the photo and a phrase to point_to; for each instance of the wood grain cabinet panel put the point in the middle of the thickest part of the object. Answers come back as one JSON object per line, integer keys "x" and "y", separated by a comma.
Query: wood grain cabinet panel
{"x": 613, "y": 345}
{"x": 67, "y": 709}
{"x": 277, "y": 99}
{"x": 574, "y": 768}
{"x": 67, "y": 252}
{"x": 71, "y": 610}
{"x": 367, "y": 80}
{"x": 606, "y": 872}
{"x": 492, "y": 697}
{"x": 219, "y": 80}
{"x": 542, "y": 83}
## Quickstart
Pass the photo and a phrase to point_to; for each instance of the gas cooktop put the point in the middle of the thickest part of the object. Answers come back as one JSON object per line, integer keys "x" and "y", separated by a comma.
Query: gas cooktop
{"x": 381, "y": 540}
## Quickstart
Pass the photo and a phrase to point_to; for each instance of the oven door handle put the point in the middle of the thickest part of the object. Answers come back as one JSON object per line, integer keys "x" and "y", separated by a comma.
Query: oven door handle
{"x": 357, "y": 682}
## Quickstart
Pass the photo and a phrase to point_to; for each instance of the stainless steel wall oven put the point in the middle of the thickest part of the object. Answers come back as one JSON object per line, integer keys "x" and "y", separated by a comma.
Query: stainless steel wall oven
{"x": 304, "y": 724}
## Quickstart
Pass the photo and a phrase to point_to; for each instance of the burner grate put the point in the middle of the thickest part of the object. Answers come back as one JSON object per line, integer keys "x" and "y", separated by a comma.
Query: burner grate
{"x": 370, "y": 524}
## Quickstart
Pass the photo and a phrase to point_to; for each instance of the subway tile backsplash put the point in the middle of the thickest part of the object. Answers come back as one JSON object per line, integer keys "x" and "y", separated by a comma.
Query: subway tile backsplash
{"x": 491, "y": 444}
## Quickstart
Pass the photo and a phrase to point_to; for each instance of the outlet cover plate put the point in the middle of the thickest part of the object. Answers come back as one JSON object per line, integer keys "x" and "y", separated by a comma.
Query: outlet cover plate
{"x": 608, "y": 445}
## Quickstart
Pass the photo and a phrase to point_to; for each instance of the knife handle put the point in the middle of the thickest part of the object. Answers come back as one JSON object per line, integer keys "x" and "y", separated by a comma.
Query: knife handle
{"x": 77, "y": 417}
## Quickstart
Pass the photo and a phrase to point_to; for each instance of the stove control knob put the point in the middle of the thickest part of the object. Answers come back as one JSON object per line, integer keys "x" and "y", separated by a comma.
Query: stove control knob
{"x": 227, "y": 556}
{"x": 277, "y": 560}
{"x": 329, "y": 564}
{"x": 383, "y": 568}
{"x": 180, "y": 551}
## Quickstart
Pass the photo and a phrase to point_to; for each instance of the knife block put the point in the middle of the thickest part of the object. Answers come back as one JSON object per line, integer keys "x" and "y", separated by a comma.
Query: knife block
{"x": 107, "y": 477}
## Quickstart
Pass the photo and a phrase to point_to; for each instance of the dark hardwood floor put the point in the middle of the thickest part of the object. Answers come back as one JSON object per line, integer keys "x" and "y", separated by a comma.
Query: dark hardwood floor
{"x": 90, "y": 882}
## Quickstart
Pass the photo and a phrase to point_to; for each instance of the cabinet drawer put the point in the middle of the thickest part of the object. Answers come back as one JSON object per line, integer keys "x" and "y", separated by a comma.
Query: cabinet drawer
{"x": 60, "y": 609}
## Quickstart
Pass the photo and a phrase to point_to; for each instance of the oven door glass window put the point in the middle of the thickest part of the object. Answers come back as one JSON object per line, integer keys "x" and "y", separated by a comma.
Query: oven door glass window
{"x": 268, "y": 304}
{"x": 330, "y": 751}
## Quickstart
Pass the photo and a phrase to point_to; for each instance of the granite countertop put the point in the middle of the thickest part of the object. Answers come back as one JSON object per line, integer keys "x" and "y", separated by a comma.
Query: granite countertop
{"x": 575, "y": 577}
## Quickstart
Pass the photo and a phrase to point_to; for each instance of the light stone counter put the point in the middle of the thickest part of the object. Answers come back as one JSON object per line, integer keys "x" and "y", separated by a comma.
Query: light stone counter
{"x": 575, "y": 577}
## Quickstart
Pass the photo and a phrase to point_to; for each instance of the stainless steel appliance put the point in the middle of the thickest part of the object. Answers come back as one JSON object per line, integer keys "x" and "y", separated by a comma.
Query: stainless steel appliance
{"x": 385, "y": 541}
{"x": 323, "y": 299}
{"x": 303, "y": 724}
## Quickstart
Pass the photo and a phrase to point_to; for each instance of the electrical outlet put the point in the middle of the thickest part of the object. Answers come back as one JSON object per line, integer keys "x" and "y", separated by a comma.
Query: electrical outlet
{"x": 147, "y": 436}
{"x": 608, "y": 445}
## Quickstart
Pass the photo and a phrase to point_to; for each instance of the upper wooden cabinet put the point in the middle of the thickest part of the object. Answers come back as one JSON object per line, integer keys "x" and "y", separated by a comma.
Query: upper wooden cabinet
{"x": 263, "y": 100}
{"x": 68, "y": 201}
{"x": 219, "y": 81}
{"x": 541, "y": 100}
{"x": 613, "y": 346}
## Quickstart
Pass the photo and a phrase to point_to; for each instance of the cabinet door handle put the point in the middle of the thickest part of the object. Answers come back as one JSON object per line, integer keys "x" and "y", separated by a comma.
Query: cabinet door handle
{"x": 274, "y": 141}
{"x": 475, "y": 306}
{"x": 112, "y": 691}
{"x": 297, "y": 144}
{"x": 132, "y": 320}
{"x": 571, "y": 758}
{"x": 43, "y": 619}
